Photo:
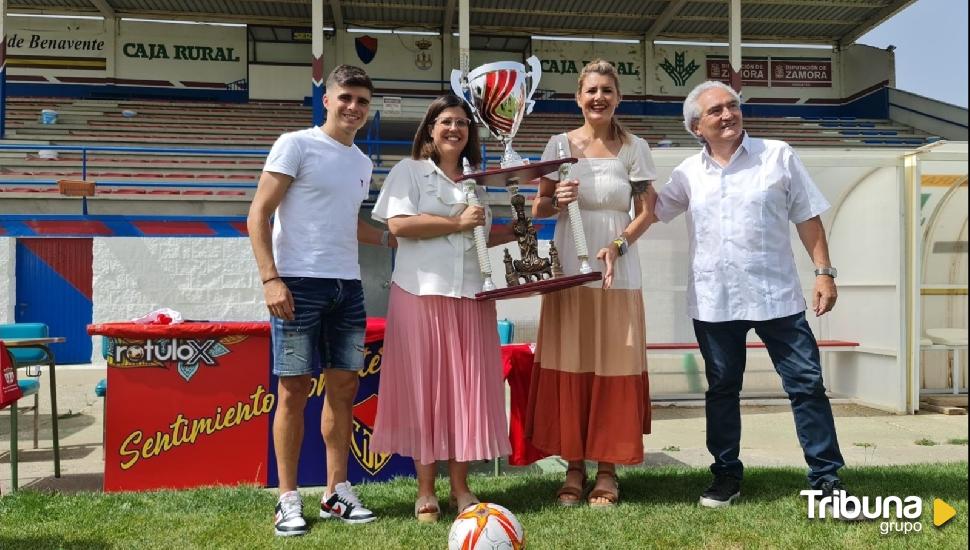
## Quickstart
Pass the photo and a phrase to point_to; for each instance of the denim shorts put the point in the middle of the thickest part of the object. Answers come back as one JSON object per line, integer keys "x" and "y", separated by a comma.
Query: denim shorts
{"x": 329, "y": 320}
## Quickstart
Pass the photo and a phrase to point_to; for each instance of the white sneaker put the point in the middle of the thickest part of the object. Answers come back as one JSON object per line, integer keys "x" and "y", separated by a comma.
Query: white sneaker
{"x": 289, "y": 520}
{"x": 344, "y": 504}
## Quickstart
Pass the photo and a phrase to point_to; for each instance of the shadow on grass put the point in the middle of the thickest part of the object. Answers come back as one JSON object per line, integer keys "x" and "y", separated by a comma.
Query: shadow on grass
{"x": 46, "y": 454}
{"x": 67, "y": 424}
{"x": 679, "y": 411}
{"x": 68, "y": 484}
{"x": 666, "y": 486}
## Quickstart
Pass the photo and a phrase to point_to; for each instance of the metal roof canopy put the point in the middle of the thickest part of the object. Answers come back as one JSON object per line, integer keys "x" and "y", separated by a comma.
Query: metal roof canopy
{"x": 834, "y": 22}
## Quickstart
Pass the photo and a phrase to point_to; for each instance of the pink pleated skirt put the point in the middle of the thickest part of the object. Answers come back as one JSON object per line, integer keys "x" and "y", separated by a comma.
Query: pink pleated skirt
{"x": 441, "y": 396}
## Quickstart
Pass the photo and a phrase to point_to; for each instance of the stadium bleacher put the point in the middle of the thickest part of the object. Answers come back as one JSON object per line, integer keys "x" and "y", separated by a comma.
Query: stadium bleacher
{"x": 236, "y": 137}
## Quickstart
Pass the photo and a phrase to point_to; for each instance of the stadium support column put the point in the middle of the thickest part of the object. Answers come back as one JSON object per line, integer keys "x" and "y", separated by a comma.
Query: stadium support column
{"x": 464, "y": 33}
{"x": 647, "y": 68}
{"x": 734, "y": 43}
{"x": 317, "y": 48}
{"x": 3, "y": 69}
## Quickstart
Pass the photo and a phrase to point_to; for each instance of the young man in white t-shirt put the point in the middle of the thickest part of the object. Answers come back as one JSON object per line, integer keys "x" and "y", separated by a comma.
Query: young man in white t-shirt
{"x": 313, "y": 183}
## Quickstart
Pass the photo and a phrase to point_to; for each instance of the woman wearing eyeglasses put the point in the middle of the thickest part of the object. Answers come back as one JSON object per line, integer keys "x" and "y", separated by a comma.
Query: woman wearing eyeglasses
{"x": 441, "y": 394}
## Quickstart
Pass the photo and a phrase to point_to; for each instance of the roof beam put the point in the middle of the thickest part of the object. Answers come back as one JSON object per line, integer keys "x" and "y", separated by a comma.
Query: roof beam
{"x": 751, "y": 38}
{"x": 873, "y": 21}
{"x": 552, "y": 13}
{"x": 338, "y": 15}
{"x": 106, "y": 10}
{"x": 592, "y": 14}
{"x": 768, "y": 20}
{"x": 206, "y": 17}
{"x": 664, "y": 19}
{"x": 873, "y": 4}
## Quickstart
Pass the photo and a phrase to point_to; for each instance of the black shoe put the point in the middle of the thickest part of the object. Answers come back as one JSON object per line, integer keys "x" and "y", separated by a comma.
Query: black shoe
{"x": 840, "y": 501}
{"x": 723, "y": 492}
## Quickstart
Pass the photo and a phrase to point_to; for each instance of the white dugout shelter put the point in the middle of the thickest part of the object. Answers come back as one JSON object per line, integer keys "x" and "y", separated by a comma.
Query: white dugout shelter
{"x": 900, "y": 248}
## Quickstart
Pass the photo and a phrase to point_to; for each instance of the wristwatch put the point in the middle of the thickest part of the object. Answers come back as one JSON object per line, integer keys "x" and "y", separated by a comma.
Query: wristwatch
{"x": 621, "y": 245}
{"x": 830, "y": 271}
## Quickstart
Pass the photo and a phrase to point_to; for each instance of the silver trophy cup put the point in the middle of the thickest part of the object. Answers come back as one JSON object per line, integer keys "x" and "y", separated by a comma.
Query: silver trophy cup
{"x": 499, "y": 97}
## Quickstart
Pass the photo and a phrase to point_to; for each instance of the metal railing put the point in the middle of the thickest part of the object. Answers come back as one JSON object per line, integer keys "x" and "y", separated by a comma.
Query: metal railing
{"x": 370, "y": 146}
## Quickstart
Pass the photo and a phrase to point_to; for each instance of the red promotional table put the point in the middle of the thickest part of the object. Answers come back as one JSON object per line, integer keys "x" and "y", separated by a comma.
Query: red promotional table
{"x": 192, "y": 405}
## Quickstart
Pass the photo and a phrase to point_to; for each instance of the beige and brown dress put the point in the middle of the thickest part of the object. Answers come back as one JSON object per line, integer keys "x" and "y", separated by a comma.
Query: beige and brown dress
{"x": 590, "y": 396}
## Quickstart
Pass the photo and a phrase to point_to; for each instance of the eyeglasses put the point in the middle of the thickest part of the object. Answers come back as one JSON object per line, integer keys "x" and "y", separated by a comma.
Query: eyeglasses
{"x": 461, "y": 123}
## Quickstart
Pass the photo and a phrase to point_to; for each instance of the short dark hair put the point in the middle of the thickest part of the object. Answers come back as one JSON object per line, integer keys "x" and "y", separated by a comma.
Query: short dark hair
{"x": 350, "y": 76}
{"x": 423, "y": 146}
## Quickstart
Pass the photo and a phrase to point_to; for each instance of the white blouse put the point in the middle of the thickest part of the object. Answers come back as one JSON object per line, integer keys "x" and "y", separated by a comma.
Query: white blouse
{"x": 446, "y": 265}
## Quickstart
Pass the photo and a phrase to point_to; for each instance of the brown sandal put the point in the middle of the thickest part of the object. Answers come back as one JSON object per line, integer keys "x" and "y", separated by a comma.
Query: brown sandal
{"x": 612, "y": 496}
{"x": 426, "y": 509}
{"x": 574, "y": 493}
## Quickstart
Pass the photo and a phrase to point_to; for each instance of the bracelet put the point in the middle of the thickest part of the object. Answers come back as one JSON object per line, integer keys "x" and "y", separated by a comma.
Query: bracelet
{"x": 621, "y": 245}
{"x": 272, "y": 279}
{"x": 384, "y": 238}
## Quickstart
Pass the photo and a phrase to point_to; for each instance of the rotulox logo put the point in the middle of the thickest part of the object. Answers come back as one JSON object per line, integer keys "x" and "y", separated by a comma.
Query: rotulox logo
{"x": 186, "y": 355}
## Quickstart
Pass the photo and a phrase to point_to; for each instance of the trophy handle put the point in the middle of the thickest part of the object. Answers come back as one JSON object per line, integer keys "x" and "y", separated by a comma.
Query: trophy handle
{"x": 459, "y": 90}
{"x": 456, "y": 83}
{"x": 535, "y": 74}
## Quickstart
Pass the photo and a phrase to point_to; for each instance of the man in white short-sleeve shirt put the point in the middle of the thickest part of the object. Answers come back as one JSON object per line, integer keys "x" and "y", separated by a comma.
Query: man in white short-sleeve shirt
{"x": 740, "y": 194}
{"x": 313, "y": 183}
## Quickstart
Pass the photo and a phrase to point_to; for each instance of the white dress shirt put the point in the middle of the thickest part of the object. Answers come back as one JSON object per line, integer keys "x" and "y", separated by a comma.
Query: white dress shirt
{"x": 738, "y": 216}
{"x": 441, "y": 266}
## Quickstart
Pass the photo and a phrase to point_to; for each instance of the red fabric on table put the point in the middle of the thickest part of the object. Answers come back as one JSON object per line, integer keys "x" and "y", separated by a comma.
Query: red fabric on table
{"x": 517, "y": 361}
{"x": 188, "y": 329}
{"x": 10, "y": 392}
{"x": 205, "y": 329}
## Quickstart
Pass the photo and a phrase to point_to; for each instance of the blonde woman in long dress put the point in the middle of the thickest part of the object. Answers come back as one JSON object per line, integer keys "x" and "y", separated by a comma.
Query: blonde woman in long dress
{"x": 589, "y": 397}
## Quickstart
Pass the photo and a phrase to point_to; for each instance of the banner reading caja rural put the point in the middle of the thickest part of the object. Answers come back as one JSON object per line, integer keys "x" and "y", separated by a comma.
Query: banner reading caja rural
{"x": 167, "y": 55}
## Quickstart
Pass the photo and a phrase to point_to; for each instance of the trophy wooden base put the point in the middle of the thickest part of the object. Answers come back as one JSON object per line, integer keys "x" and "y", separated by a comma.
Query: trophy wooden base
{"x": 499, "y": 177}
{"x": 538, "y": 287}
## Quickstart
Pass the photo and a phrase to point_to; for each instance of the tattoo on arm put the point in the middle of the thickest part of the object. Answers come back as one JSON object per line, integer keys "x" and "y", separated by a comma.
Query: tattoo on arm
{"x": 640, "y": 187}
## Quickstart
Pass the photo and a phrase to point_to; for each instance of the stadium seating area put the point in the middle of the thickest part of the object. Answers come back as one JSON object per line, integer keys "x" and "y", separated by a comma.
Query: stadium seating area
{"x": 237, "y": 136}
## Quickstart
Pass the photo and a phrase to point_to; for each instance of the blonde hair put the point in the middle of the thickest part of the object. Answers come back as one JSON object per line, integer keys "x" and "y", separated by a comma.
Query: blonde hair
{"x": 605, "y": 68}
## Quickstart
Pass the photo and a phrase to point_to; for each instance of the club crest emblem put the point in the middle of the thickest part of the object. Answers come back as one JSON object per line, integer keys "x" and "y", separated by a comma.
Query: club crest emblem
{"x": 365, "y": 413}
{"x": 423, "y": 59}
{"x": 366, "y": 48}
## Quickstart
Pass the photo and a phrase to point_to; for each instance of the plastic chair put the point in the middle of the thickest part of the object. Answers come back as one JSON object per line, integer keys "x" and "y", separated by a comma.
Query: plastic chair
{"x": 29, "y": 359}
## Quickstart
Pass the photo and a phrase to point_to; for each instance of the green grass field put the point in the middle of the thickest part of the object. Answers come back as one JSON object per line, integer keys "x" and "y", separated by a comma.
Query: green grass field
{"x": 657, "y": 510}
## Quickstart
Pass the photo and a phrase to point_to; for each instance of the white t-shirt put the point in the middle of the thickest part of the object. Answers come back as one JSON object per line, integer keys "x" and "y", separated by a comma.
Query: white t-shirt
{"x": 315, "y": 232}
{"x": 738, "y": 223}
{"x": 441, "y": 266}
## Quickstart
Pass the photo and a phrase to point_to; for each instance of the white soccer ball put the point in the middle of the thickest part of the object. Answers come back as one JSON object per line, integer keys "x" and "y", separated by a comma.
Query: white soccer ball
{"x": 486, "y": 526}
